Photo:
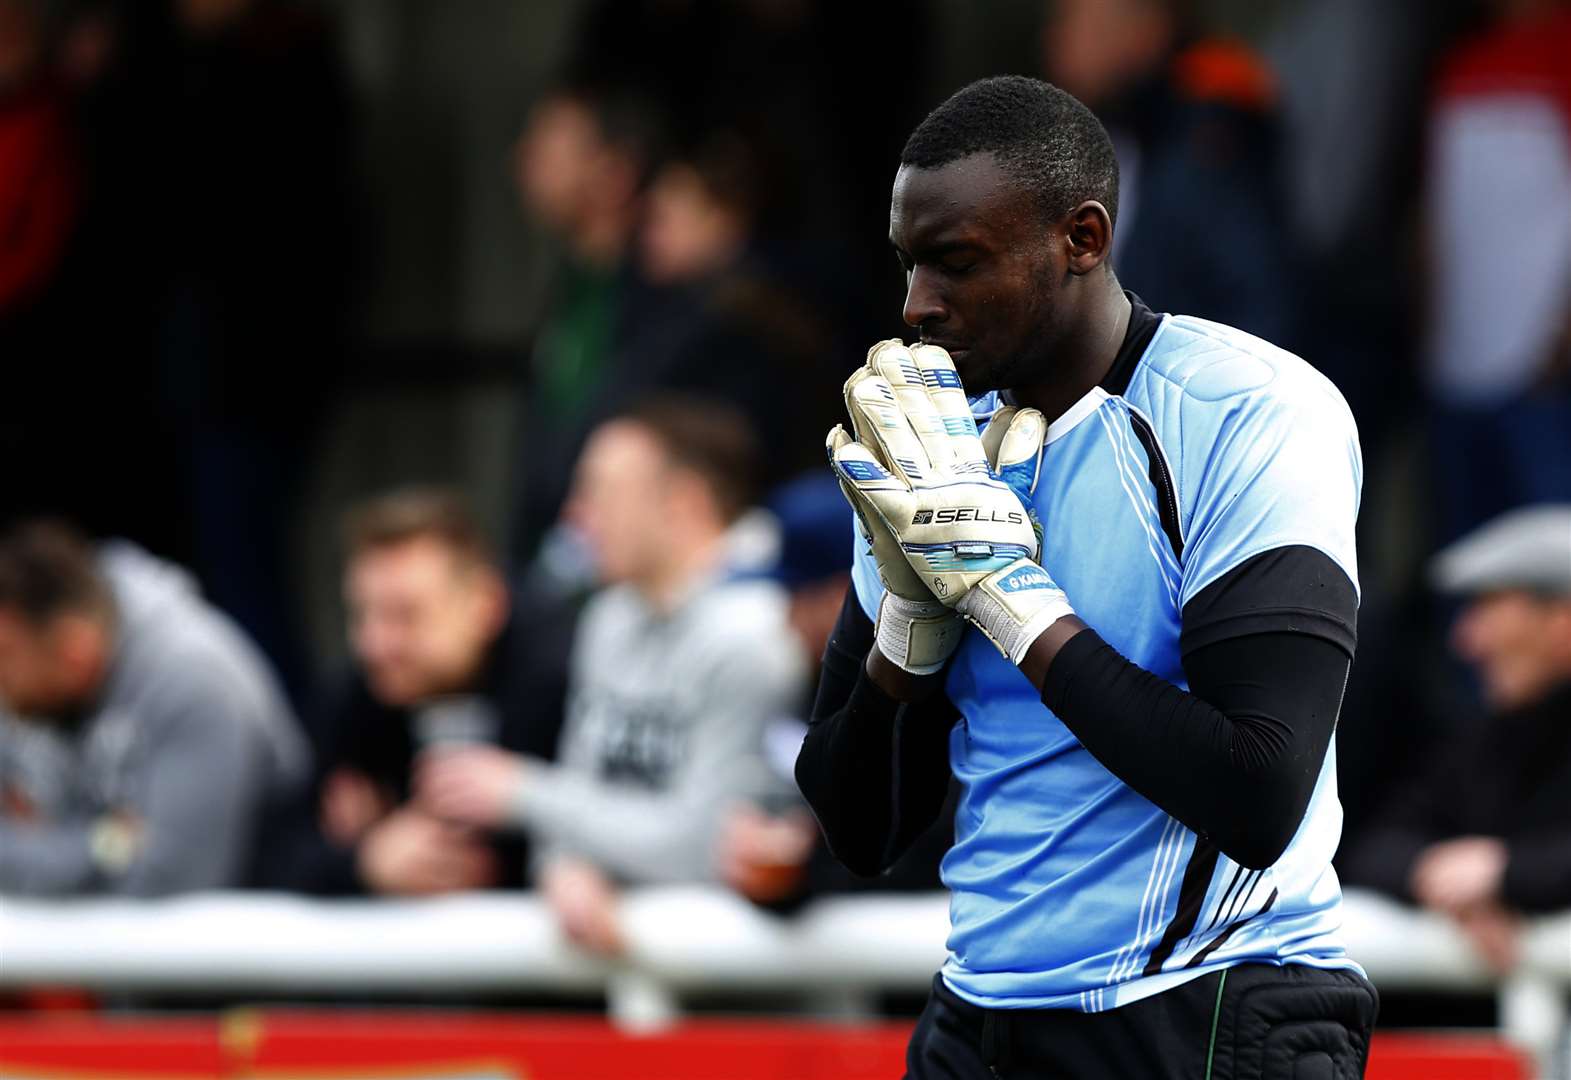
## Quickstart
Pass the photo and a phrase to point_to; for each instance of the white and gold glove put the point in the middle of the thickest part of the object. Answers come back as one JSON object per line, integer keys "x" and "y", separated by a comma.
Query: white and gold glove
{"x": 953, "y": 506}
{"x": 914, "y": 630}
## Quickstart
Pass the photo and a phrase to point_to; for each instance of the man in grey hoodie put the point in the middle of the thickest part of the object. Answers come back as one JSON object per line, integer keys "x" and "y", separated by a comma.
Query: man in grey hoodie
{"x": 678, "y": 666}
{"x": 142, "y": 735}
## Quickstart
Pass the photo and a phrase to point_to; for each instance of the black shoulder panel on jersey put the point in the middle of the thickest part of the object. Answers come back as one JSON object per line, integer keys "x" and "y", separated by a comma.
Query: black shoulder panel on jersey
{"x": 1294, "y": 588}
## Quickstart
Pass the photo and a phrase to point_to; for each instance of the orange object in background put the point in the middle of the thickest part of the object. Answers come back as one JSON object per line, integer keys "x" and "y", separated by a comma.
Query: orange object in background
{"x": 402, "y": 1045}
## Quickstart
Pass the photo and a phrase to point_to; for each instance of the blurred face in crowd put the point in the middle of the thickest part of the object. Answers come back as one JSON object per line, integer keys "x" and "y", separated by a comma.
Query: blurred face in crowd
{"x": 688, "y": 233}
{"x": 1519, "y": 642}
{"x": 985, "y": 274}
{"x": 570, "y": 177}
{"x": 50, "y": 668}
{"x": 1096, "y": 49}
{"x": 421, "y": 618}
{"x": 626, "y": 496}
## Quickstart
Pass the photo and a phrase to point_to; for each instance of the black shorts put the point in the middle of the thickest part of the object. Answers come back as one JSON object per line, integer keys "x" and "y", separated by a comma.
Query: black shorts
{"x": 1249, "y": 1022}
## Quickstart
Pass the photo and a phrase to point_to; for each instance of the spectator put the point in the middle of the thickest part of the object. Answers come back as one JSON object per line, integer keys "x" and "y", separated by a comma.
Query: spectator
{"x": 1499, "y": 338}
{"x": 440, "y": 658}
{"x": 581, "y": 166}
{"x": 677, "y": 668}
{"x": 774, "y": 855}
{"x": 703, "y": 315}
{"x": 39, "y": 175}
{"x": 1485, "y": 836}
{"x": 143, "y": 736}
{"x": 730, "y": 327}
{"x": 1202, "y": 215}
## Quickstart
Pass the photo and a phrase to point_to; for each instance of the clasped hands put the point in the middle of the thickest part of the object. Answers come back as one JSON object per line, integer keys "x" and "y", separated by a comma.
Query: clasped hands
{"x": 946, "y": 510}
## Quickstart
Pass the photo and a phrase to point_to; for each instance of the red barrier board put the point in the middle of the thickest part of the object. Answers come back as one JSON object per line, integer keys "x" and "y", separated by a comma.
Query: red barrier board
{"x": 108, "y": 1048}
{"x": 424, "y": 1045}
{"x": 575, "y": 1049}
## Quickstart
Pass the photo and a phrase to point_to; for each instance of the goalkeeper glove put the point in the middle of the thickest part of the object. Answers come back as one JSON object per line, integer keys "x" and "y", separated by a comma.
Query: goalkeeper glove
{"x": 926, "y": 485}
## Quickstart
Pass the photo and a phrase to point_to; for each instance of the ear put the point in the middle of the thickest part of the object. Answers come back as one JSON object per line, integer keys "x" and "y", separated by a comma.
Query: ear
{"x": 689, "y": 493}
{"x": 1559, "y": 624}
{"x": 1088, "y": 237}
{"x": 495, "y": 601}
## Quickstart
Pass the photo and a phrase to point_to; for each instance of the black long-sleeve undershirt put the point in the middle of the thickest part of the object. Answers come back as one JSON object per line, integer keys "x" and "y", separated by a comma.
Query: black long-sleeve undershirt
{"x": 1235, "y": 758}
{"x": 874, "y": 772}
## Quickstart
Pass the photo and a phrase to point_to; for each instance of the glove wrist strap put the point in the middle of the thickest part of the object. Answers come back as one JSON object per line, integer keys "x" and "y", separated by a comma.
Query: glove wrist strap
{"x": 1014, "y": 605}
{"x": 917, "y": 635}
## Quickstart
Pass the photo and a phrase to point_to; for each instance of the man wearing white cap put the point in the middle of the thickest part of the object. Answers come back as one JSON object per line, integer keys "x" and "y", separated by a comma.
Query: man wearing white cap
{"x": 1485, "y": 836}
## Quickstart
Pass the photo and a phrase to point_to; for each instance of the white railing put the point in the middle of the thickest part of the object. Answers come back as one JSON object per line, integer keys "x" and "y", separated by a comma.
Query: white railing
{"x": 680, "y": 941}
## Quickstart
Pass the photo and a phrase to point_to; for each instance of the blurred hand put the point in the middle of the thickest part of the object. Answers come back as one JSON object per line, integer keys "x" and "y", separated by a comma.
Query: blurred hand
{"x": 472, "y": 785}
{"x": 585, "y": 903}
{"x": 762, "y": 857}
{"x": 1495, "y": 933}
{"x": 351, "y": 804}
{"x": 115, "y": 840}
{"x": 409, "y": 853}
{"x": 1457, "y": 875}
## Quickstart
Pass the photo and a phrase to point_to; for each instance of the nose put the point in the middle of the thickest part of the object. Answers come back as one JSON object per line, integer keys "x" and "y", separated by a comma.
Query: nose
{"x": 923, "y": 304}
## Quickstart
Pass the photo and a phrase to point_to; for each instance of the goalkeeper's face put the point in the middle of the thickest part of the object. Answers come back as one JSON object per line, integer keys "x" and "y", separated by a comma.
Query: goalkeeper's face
{"x": 984, "y": 278}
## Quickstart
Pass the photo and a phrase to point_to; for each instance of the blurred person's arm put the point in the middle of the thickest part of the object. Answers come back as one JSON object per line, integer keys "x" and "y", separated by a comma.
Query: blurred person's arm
{"x": 1420, "y": 850}
{"x": 669, "y": 835}
{"x": 196, "y": 801}
{"x": 310, "y": 841}
{"x": 632, "y": 832}
{"x": 584, "y": 902}
{"x": 311, "y": 838}
{"x": 411, "y": 853}
{"x": 765, "y": 857}
{"x": 47, "y": 859}
{"x": 40, "y": 856}
{"x": 200, "y": 795}
{"x": 1390, "y": 848}
{"x": 1495, "y": 933}
{"x": 874, "y": 770}
{"x": 1537, "y": 876}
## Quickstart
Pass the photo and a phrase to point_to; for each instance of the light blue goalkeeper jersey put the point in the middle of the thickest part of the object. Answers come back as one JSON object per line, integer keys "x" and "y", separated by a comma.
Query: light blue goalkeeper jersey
{"x": 1069, "y": 890}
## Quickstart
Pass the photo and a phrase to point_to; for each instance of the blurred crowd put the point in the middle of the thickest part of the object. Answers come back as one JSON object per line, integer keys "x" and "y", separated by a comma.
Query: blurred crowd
{"x": 597, "y": 677}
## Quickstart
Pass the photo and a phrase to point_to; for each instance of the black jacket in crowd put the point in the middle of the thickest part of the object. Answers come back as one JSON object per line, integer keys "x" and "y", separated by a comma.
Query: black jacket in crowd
{"x": 523, "y": 684}
{"x": 1509, "y": 778}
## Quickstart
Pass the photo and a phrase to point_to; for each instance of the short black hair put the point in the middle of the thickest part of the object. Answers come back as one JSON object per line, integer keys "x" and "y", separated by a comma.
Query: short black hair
{"x": 1044, "y": 138}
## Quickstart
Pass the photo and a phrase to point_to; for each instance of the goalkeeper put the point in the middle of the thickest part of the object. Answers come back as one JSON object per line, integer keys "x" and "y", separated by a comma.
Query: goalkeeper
{"x": 1115, "y": 594}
